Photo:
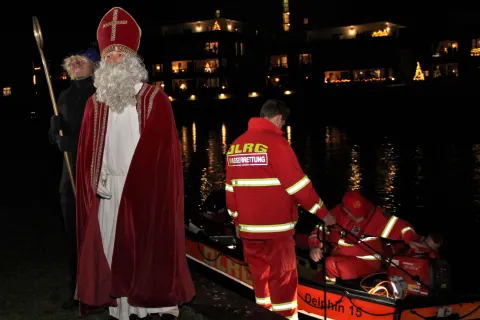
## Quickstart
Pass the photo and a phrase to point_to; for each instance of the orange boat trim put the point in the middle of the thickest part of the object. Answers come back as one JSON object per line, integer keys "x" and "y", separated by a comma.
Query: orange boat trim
{"x": 311, "y": 300}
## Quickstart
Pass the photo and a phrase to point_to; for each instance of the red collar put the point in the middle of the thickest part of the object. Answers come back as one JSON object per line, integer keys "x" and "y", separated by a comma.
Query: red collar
{"x": 257, "y": 123}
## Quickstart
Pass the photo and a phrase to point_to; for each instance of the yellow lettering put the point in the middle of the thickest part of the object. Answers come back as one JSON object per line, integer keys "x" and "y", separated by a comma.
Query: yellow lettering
{"x": 233, "y": 268}
{"x": 248, "y": 147}
{"x": 261, "y": 148}
{"x": 231, "y": 149}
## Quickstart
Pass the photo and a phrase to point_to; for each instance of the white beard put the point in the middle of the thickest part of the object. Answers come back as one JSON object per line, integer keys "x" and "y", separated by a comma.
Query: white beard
{"x": 115, "y": 82}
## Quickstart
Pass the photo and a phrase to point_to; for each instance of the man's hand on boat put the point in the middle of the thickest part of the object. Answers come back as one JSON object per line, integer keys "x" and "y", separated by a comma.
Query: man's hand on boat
{"x": 329, "y": 219}
{"x": 316, "y": 254}
{"x": 417, "y": 245}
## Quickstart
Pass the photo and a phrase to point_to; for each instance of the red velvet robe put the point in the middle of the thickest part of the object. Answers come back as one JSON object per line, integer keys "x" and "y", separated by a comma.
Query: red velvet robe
{"x": 149, "y": 265}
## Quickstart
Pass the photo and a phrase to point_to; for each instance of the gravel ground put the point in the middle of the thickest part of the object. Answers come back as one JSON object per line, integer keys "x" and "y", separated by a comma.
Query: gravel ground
{"x": 34, "y": 278}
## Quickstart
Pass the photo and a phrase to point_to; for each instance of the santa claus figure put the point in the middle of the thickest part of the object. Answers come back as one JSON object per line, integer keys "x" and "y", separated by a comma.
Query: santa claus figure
{"x": 130, "y": 194}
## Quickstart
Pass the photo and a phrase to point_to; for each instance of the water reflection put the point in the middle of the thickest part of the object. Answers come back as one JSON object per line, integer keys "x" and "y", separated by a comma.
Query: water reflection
{"x": 365, "y": 166}
{"x": 289, "y": 134}
{"x": 308, "y": 163}
{"x": 337, "y": 154}
{"x": 333, "y": 136}
{"x": 194, "y": 137}
{"x": 333, "y": 140}
{"x": 476, "y": 174}
{"x": 387, "y": 173}
{"x": 224, "y": 139}
{"x": 355, "y": 179}
{"x": 186, "y": 157}
{"x": 213, "y": 176}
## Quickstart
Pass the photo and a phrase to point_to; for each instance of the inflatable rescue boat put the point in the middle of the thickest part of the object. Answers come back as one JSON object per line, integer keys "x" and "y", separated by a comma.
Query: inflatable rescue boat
{"x": 411, "y": 288}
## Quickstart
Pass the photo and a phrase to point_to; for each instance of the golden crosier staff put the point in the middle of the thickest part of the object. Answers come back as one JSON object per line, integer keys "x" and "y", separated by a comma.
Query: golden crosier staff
{"x": 37, "y": 32}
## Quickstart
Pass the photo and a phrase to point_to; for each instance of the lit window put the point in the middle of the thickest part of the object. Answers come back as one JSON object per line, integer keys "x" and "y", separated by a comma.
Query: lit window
{"x": 279, "y": 61}
{"x": 475, "y": 50}
{"x": 207, "y": 65}
{"x": 211, "y": 47}
{"x": 179, "y": 66}
{"x": 369, "y": 75}
{"x": 305, "y": 59}
{"x": 7, "y": 91}
{"x": 446, "y": 48}
{"x": 337, "y": 76}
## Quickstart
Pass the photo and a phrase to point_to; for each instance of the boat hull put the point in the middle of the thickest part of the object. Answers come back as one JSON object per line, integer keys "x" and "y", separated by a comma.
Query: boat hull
{"x": 226, "y": 259}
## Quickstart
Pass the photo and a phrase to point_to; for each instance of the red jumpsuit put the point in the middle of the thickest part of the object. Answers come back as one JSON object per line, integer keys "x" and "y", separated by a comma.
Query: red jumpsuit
{"x": 264, "y": 184}
{"x": 351, "y": 258}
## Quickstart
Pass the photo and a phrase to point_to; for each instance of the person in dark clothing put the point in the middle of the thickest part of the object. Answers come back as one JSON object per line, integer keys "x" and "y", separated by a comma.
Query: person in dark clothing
{"x": 71, "y": 106}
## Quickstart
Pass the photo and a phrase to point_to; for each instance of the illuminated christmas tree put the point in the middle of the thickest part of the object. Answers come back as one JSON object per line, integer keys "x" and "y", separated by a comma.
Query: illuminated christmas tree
{"x": 216, "y": 26}
{"x": 419, "y": 76}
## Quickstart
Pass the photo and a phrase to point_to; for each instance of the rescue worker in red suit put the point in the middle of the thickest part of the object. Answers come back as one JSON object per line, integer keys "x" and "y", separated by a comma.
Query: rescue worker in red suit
{"x": 351, "y": 258}
{"x": 264, "y": 185}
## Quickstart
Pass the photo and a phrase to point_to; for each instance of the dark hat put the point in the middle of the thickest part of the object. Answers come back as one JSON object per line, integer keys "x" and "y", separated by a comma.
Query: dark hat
{"x": 91, "y": 54}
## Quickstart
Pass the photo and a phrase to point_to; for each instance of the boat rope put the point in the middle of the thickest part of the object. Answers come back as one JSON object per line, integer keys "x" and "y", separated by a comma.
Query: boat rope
{"x": 218, "y": 256}
{"x": 471, "y": 312}
{"x": 418, "y": 314}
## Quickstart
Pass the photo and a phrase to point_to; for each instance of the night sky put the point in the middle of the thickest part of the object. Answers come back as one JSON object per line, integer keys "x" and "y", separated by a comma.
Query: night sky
{"x": 70, "y": 26}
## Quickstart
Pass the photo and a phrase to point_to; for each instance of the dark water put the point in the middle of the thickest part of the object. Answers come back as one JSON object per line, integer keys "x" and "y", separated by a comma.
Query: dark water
{"x": 429, "y": 176}
{"x": 426, "y": 182}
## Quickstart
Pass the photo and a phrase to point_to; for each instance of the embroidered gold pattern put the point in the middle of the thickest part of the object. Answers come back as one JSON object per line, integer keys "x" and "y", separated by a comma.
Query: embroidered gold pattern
{"x": 117, "y": 48}
{"x": 98, "y": 147}
{"x": 105, "y": 110}
{"x": 113, "y": 24}
{"x": 150, "y": 103}
{"x": 139, "y": 107}
{"x": 94, "y": 143}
